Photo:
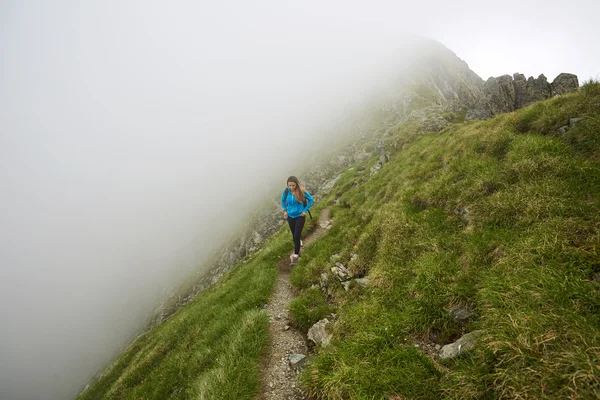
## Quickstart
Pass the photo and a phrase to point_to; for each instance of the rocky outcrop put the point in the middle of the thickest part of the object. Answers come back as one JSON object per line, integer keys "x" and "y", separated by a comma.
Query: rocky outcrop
{"x": 531, "y": 90}
{"x": 506, "y": 93}
{"x": 564, "y": 83}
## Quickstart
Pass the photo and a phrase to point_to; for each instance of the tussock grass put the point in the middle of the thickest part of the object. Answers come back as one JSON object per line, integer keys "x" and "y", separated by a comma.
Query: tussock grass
{"x": 309, "y": 309}
{"x": 500, "y": 216}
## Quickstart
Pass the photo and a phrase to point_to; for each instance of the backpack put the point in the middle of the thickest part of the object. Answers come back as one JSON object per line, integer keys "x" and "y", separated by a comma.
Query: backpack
{"x": 304, "y": 203}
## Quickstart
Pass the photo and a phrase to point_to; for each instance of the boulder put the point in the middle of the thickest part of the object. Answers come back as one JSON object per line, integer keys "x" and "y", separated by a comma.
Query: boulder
{"x": 564, "y": 83}
{"x": 320, "y": 333}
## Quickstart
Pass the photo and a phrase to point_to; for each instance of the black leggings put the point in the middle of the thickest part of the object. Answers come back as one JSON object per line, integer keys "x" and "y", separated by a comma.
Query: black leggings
{"x": 296, "y": 226}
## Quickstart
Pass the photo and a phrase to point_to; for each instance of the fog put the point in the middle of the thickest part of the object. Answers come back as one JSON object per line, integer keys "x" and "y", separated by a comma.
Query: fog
{"x": 135, "y": 136}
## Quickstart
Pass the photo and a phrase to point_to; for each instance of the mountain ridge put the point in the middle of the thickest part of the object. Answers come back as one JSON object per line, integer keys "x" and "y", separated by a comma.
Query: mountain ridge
{"x": 434, "y": 110}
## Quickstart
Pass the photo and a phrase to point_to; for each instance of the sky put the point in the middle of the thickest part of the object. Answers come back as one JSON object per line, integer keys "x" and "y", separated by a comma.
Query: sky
{"x": 136, "y": 135}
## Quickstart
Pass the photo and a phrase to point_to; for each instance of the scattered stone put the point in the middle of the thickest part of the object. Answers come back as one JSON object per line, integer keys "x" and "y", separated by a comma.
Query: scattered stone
{"x": 341, "y": 272}
{"x": 320, "y": 333}
{"x": 465, "y": 343}
{"x": 296, "y": 361}
{"x": 346, "y": 285}
{"x": 323, "y": 281}
{"x": 438, "y": 347}
{"x": 287, "y": 327}
{"x": 376, "y": 168}
{"x": 383, "y": 155}
{"x": 563, "y": 129}
{"x": 364, "y": 282}
{"x": 461, "y": 314}
{"x": 574, "y": 121}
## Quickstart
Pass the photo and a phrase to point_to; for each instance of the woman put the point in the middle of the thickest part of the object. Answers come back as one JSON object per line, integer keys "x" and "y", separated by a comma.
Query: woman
{"x": 296, "y": 203}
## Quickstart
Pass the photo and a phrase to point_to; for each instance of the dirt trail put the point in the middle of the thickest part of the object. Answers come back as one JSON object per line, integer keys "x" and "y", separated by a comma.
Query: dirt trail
{"x": 279, "y": 380}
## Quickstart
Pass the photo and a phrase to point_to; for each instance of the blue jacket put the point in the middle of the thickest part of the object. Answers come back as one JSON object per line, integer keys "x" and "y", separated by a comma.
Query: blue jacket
{"x": 292, "y": 206}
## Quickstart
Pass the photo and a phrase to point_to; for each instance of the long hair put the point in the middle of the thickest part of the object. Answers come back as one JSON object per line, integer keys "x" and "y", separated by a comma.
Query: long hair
{"x": 299, "y": 191}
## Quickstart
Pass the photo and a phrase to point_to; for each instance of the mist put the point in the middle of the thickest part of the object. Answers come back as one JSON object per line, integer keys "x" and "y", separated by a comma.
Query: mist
{"x": 136, "y": 136}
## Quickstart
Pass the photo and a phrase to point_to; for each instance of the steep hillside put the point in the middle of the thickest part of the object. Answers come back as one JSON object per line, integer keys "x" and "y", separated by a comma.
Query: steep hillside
{"x": 441, "y": 228}
{"x": 488, "y": 228}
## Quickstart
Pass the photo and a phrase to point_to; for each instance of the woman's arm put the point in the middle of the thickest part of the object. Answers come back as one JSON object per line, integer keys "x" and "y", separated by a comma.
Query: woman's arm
{"x": 310, "y": 201}
{"x": 283, "y": 201}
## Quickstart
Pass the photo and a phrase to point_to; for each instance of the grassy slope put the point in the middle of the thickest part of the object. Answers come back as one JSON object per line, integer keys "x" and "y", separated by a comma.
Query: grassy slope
{"x": 500, "y": 216}
{"x": 210, "y": 349}
{"x": 492, "y": 215}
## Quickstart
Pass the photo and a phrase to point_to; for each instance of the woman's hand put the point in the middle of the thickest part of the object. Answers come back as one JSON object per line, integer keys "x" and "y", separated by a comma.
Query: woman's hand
{"x": 285, "y": 215}
{"x": 303, "y": 214}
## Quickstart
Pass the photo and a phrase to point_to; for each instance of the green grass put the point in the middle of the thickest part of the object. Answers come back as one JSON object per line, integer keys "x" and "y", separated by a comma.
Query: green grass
{"x": 210, "y": 349}
{"x": 500, "y": 216}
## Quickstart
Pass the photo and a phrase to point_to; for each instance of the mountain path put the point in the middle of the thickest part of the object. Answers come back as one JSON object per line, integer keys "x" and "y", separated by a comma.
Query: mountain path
{"x": 279, "y": 380}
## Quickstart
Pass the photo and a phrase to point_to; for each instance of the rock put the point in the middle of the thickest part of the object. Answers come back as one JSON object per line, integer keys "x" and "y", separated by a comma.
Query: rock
{"x": 562, "y": 130}
{"x": 346, "y": 285}
{"x": 460, "y": 314}
{"x": 364, "y": 282}
{"x": 326, "y": 188}
{"x": 335, "y": 257}
{"x": 574, "y": 121}
{"x": 465, "y": 343}
{"x": 296, "y": 361}
{"x": 531, "y": 90}
{"x": 320, "y": 333}
{"x": 383, "y": 156}
{"x": 324, "y": 224}
{"x": 437, "y": 347}
{"x": 341, "y": 272}
{"x": 506, "y": 93}
{"x": 564, "y": 83}
{"x": 501, "y": 94}
{"x": 376, "y": 168}
{"x": 433, "y": 123}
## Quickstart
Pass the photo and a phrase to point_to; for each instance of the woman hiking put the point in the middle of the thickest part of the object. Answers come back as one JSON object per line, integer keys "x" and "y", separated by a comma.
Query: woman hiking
{"x": 296, "y": 203}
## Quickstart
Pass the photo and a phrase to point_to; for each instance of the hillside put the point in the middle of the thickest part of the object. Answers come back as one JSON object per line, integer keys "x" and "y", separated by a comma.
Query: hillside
{"x": 487, "y": 227}
{"x": 451, "y": 227}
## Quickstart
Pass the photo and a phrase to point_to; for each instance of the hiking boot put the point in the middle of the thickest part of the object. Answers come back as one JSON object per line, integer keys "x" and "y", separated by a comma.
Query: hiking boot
{"x": 294, "y": 259}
